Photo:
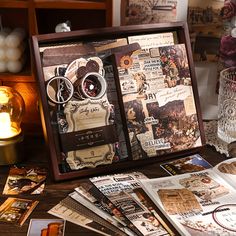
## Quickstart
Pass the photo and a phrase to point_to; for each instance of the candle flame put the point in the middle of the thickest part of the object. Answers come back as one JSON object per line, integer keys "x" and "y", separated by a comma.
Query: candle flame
{"x": 6, "y": 130}
{"x": 4, "y": 98}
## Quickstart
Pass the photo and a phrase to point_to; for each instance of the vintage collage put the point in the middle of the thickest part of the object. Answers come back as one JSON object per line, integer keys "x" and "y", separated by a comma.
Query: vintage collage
{"x": 158, "y": 98}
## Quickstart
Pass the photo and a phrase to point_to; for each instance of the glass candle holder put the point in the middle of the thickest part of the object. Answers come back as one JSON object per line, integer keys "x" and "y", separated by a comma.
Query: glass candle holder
{"x": 11, "y": 137}
{"x": 227, "y": 105}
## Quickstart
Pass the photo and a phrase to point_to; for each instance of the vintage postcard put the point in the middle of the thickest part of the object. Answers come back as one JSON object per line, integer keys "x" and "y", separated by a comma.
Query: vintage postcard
{"x": 186, "y": 165}
{"x": 47, "y": 227}
{"x": 146, "y": 11}
{"x": 30, "y": 180}
{"x": 16, "y": 210}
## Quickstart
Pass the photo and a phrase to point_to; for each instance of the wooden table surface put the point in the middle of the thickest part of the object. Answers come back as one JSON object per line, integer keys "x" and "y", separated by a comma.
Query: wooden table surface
{"x": 35, "y": 153}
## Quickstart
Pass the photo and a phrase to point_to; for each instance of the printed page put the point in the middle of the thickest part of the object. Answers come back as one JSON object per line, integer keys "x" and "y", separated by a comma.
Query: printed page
{"x": 66, "y": 213}
{"x": 227, "y": 170}
{"x": 91, "y": 193}
{"x": 149, "y": 41}
{"x": 76, "y": 196}
{"x": 119, "y": 188}
{"x": 197, "y": 204}
{"x": 81, "y": 209}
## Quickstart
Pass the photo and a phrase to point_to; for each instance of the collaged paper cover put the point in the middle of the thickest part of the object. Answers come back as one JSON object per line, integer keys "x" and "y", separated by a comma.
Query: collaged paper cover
{"x": 158, "y": 100}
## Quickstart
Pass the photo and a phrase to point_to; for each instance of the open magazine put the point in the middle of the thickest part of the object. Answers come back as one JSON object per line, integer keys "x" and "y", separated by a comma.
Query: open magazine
{"x": 199, "y": 203}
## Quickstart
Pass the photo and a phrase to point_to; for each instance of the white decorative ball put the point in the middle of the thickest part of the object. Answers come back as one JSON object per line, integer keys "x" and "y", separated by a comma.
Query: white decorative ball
{"x": 2, "y": 54}
{"x": 233, "y": 32}
{"x": 13, "y": 54}
{"x": 14, "y": 66}
{"x": 15, "y": 38}
{"x": 3, "y": 36}
{"x": 3, "y": 66}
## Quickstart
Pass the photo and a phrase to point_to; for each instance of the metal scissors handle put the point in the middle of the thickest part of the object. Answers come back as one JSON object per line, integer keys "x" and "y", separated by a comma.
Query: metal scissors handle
{"x": 62, "y": 87}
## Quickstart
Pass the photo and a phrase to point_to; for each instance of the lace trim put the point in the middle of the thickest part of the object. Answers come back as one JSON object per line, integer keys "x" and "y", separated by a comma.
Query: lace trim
{"x": 210, "y": 128}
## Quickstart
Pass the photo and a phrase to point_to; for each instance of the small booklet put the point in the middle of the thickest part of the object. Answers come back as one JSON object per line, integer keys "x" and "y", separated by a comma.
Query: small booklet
{"x": 16, "y": 210}
{"x": 119, "y": 189}
{"x": 107, "y": 227}
{"x": 91, "y": 193}
{"x": 99, "y": 212}
{"x": 199, "y": 203}
{"x": 55, "y": 227}
{"x": 30, "y": 180}
{"x": 186, "y": 165}
{"x": 157, "y": 94}
{"x": 62, "y": 211}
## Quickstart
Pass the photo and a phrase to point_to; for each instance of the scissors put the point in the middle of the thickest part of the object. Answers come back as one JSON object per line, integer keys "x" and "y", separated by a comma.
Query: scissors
{"x": 59, "y": 88}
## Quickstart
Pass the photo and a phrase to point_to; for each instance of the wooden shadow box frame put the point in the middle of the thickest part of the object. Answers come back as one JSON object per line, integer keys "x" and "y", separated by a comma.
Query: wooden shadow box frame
{"x": 120, "y": 59}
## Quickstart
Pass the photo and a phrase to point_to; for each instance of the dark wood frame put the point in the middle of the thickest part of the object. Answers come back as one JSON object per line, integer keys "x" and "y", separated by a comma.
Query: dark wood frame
{"x": 101, "y": 34}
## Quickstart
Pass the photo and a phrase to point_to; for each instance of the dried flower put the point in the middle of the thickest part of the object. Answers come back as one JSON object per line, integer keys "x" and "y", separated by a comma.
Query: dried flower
{"x": 229, "y": 9}
{"x": 228, "y": 50}
{"x": 227, "y": 46}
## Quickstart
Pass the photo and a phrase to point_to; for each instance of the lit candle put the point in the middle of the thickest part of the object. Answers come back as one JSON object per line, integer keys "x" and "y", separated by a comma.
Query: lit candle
{"x": 6, "y": 131}
{"x": 11, "y": 111}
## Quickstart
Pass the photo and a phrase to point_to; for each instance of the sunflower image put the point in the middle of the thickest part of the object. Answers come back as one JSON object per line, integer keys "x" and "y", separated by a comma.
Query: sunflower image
{"x": 126, "y": 62}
